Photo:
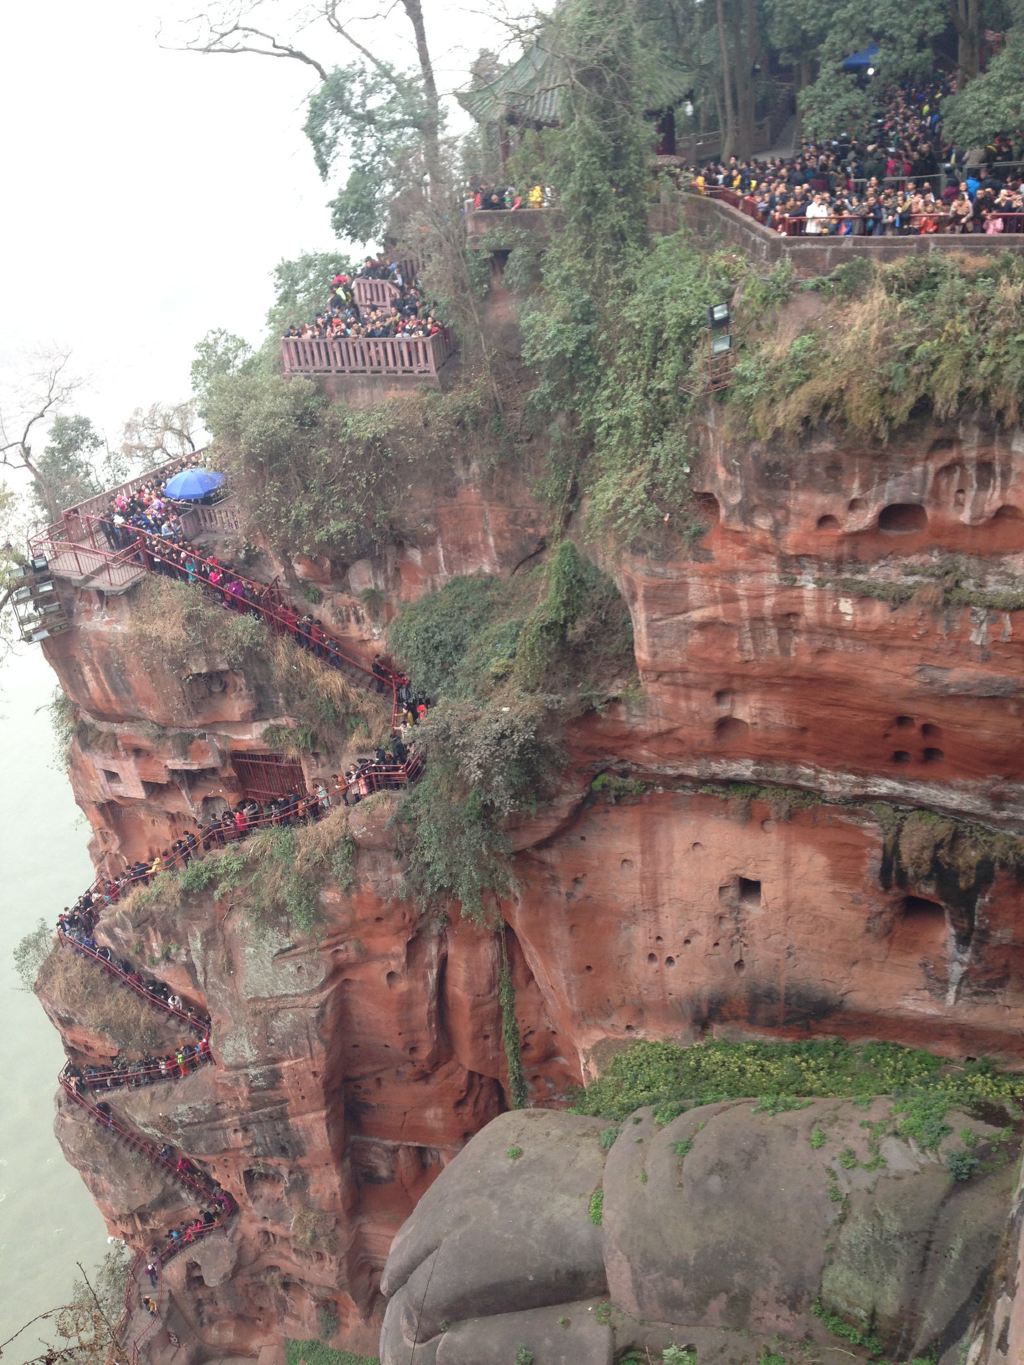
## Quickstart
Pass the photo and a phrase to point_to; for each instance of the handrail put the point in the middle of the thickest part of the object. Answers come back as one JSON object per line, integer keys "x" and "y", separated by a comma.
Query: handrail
{"x": 199, "y": 1026}
{"x": 183, "y": 1171}
{"x": 273, "y": 613}
{"x": 59, "y": 530}
{"x": 391, "y": 355}
{"x": 931, "y": 223}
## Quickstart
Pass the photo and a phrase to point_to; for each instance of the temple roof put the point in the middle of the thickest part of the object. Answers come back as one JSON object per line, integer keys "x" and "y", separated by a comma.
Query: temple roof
{"x": 529, "y": 91}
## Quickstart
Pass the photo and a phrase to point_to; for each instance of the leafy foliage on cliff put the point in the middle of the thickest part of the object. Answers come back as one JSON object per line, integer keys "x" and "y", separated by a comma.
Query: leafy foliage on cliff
{"x": 31, "y": 951}
{"x": 315, "y": 476}
{"x": 924, "y": 336}
{"x": 316, "y": 1353}
{"x": 674, "y": 1078}
{"x": 561, "y": 627}
{"x": 612, "y": 330}
{"x": 505, "y": 663}
{"x": 176, "y": 626}
{"x": 276, "y": 875}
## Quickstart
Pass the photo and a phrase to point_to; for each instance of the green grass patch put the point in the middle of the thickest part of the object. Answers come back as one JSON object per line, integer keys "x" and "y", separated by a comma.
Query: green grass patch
{"x": 925, "y": 1087}
{"x": 316, "y": 1353}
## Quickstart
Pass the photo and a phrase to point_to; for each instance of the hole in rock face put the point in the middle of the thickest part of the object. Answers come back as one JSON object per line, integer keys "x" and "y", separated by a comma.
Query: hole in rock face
{"x": 696, "y": 848}
{"x": 631, "y": 1028}
{"x": 724, "y": 699}
{"x": 904, "y": 722}
{"x": 933, "y": 755}
{"x": 626, "y": 864}
{"x": 658, "y": 938}
{"x": 899, "y": 756}
{"x": 588, "y": 969}
{"x": 856, "y": 505}
{"x": 707, "y": 505}
{"x": 1008, "y": 513}
{"x": 652, "y": 958}
{"x": 920, "y": 907}
{"x": 392, "y": 980}
{"x": 901, "y": 518}
{"x": 930, "y": 731}
{"x": 828, "y": 523}
{"x": 687, "y": 942}
{"x": 739, "y": 966}
{"x": 749, "y": 892}
{"x": 984, "y": 474}
{"x": 729, "y": 730}
{"x": 670, "y": 962}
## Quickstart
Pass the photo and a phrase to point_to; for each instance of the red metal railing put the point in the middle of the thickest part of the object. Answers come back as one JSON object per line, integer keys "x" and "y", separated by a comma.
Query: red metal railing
{"x": 937, "y": 223}
{"x": 191, "y": 1020}
{"x": 67, "y": 529}
{"x": 181, "y": 1170}
{"x": 367, "y": 355}
{"x": 374, "y": 293}
{"x": 374, "y": 777}
{"x": 150, "y": 552}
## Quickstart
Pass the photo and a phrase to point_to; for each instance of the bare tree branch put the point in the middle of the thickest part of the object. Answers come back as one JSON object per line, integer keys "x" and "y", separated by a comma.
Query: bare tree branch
{"x": 230, "y": 39}
{"x": 57, "y": 388}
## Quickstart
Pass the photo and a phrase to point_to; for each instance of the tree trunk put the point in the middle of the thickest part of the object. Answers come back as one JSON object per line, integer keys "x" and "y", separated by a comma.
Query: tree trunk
{"x": 745, "y": 39}
{"x": 966, "y": 16}
{"x": 431, "y": 129}
{"x": 728, "y": 100}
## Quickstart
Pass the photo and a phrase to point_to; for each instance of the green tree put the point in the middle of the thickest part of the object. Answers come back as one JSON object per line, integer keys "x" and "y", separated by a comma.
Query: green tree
{"x": 66, "y": 469}
{"x": 994, "y": 103}
{"x": 371, "y": 121}
{"x": 383, "y": 120}
{"x": 219, "y": 355}
{"x": 84, "y": 1329}
{"x": 48, "y": 392}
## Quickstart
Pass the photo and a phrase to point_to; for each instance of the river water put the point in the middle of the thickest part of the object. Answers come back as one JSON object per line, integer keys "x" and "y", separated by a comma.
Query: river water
{"x": 47, "y": 1218}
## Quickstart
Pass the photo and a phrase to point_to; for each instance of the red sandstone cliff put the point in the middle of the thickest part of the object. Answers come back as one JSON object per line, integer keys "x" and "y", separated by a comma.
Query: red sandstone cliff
{"x": 350, "y": 1069}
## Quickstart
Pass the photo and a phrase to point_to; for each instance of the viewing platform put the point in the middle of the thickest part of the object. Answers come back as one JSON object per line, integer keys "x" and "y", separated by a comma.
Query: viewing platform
{"x": 483, "y": 222}
{"x": 76, "y": 548}
{"x": 724, "y": 213}
{"x": 417, "y": 357}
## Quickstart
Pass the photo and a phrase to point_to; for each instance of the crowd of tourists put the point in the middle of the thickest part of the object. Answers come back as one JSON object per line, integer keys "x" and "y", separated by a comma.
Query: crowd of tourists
{"x": 388, "y": 769}
{"x": 123, "y": 1073}
{"x": 150, "y": 509}
{"x": 405, "y": 313}
{"x": 79, "y": 923}
{"x": 507, "y": 197}
{"x": 904, "y": 179}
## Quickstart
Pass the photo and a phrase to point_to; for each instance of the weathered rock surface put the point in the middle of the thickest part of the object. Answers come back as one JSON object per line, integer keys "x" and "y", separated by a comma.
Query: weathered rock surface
{"x": 721, "y": 1230}
{"x": 350, "y": 1071}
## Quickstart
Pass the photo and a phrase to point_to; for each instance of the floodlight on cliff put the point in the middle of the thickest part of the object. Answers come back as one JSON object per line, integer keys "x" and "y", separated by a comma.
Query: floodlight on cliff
{"x": 714, "y": 370}
{"x": 718, "y": 315}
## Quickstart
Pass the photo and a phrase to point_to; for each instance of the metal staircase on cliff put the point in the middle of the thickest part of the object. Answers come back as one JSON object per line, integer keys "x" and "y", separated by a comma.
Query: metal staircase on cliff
{"x": 79, "y": 1085}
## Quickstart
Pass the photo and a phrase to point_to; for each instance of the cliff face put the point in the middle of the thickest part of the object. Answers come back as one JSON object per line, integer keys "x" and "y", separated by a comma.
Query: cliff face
{"x": 840, "y": 639}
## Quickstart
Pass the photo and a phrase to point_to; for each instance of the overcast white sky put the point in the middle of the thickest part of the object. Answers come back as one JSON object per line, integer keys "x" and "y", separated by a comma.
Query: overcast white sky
{"x": 149, "y": 193}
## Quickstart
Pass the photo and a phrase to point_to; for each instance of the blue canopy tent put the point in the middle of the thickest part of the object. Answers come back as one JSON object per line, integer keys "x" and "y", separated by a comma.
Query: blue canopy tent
{"x": 860, "y": 61}
{"x": 192, "y": 484}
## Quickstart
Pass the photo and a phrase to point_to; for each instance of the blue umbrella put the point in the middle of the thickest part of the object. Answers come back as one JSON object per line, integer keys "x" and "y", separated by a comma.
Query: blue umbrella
{"x": 193, "y": 483}
{"x": 857, "y": 61}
